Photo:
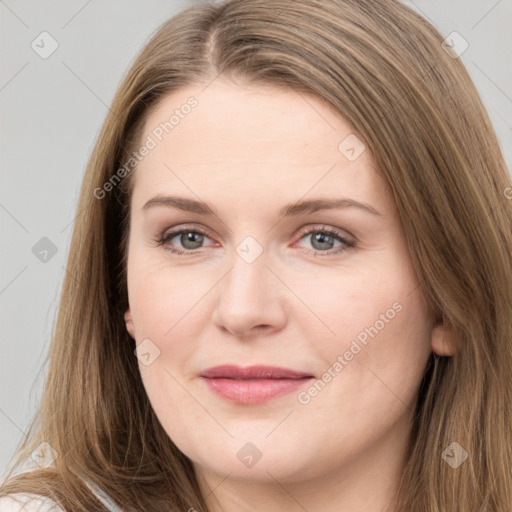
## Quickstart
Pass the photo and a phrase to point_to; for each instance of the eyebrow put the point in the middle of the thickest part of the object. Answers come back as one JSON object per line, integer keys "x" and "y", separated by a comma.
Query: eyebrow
{"x": 290, "y": 210}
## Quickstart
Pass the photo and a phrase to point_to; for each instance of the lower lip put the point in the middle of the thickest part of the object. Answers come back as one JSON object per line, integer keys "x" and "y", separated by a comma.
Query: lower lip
{"x": 253, "y": 392}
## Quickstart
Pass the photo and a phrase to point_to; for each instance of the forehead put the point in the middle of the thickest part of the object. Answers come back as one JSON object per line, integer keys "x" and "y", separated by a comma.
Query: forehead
{"x": 245, "y": 119}
{"x": 252, "y": 139}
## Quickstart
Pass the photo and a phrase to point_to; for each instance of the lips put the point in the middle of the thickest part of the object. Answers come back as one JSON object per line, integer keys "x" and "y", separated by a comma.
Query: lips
{"x": 252, "y": 372}
{"x": 253, "y": 385}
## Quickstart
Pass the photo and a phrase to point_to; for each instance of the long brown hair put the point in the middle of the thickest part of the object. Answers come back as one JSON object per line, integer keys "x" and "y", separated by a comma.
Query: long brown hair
{"x": 384, "y": 69}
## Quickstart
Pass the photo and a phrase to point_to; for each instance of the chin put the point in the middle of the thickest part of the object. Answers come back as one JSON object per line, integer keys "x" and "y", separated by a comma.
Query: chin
{"x": 253, "y": 461}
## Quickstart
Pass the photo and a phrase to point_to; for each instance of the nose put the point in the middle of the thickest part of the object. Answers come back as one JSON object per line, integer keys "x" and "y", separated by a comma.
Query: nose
{"x": 250, "y": 299}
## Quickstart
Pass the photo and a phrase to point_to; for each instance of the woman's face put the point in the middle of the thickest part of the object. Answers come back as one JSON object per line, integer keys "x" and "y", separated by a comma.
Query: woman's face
{"x": 328, "y": 293}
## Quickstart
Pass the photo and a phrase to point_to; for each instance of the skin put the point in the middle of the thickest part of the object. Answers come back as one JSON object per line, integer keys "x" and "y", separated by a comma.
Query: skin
{"x": 247, "y": 151}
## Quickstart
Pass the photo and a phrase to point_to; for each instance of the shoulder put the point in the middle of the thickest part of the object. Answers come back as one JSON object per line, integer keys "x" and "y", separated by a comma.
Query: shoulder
{"x": 27, "y": 502}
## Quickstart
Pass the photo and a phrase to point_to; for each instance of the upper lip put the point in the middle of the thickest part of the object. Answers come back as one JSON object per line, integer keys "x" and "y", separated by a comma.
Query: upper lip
{"x": 252, "y": 372}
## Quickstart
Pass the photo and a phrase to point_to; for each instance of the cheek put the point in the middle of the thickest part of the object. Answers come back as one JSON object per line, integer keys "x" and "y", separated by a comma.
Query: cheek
{"x": 380, "y": 357}
{"x": 373, "y": 331}
{"x": 344, "y": 304}
{"x": 163, "y": 299}
{"x": 174, "y": 405}
{"x": 166, "y": 309}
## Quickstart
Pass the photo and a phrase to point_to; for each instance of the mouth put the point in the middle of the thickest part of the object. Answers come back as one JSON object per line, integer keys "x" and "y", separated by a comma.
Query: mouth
{"x": 253, "y": 385}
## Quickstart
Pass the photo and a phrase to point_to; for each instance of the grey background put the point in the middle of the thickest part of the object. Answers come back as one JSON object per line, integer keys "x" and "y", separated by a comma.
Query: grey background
{"x": 52, "y": 110}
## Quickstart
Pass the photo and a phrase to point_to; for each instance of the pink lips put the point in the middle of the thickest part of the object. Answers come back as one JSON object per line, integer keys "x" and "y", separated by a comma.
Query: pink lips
{"x": 253, "y": 385}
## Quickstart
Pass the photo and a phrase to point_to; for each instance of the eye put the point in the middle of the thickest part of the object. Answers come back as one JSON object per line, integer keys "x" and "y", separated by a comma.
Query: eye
{"x": 323, "y": 240}
{"x": 190, "y": 239}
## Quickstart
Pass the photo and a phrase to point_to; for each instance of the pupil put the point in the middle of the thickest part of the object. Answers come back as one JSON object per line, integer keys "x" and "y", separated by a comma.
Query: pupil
{"x": 322, "y": 238}
{"x": 191, "y": 238}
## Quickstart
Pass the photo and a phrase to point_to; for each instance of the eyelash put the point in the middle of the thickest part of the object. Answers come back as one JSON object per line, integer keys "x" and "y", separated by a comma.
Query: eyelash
{"x": 165, "y": 237}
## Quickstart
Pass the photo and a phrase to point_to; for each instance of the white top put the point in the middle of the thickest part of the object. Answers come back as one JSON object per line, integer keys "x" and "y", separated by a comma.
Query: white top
{"x": 25, "y": 502}
{"x": 29, "y": 502}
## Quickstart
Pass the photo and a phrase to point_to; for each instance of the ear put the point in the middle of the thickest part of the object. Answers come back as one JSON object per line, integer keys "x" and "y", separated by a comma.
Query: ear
{"x": 443, "y": 339}
{"x": 129, "y": 323}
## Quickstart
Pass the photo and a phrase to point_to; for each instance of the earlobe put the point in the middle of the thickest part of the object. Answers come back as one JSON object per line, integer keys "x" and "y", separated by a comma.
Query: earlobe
{"x": 129, "y": 323}
{"x": 443, "y": 340}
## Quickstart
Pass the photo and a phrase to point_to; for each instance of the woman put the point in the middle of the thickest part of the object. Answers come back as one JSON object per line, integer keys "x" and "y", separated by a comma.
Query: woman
{"x": 290, "y": 279}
